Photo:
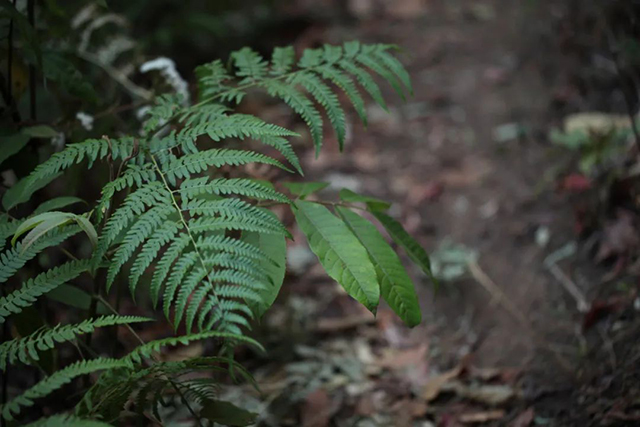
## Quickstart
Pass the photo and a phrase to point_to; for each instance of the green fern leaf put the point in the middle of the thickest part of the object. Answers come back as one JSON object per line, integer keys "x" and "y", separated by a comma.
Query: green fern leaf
{"x": 212, "y": 78}
{"x": 140, "y": 231}
{"x": 346, "y": 84}
{"x": 282, "y": 60}
{"x": 365, "y": 80}
{"x": 380, "y": 53}
{"x": 191, "y": 188}
{"x": 367, "y": 59}
{"x": 284, "y": 147}
{"x": 178, "y": 272}
{"x": 251, "y": 66}
{"x": 162, "y": 236}
{"x": 395, "y": 285}
{"x": 236, "y": 210}
{"x": 339, "y": 251}
{"x": 92, "y": 149}
{"x": 301, "y": 105}
{"x": 163, "y": 266}
{"x": 26, "y": 295}
{"x": 56, "y": 381}
{"x": 325, "y": 97}
{"x": 147, "y": 350}
{"x": 66, "y": 421}
{"x": 26, "y": 349}
{"x": 199, "y": 162}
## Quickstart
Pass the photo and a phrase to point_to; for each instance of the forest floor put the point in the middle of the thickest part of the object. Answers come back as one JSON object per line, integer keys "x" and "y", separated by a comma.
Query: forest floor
{"x": 468, "y": 164}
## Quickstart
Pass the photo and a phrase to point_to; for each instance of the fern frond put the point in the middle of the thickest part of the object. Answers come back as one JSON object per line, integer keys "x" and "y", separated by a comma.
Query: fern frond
{"x": 284, "y": 147}
{"x": 133, "y": 175}
{"x": 147, "y": 350}
{"x": 178, "y": 272}
{"x": 251, "y": 66}
{"x": 149, "y": 195}
{"x": 141, "y": 230}
{"x": 164, "y": 265}
{"x": 325, "y": 97}
{"x": 282, "y": 60}
{"x": 56, "y": 381}
{"x": 235, "y": 126}
{"x": 26, "y": 295}
{"x": 365, "y": 80}
{"x": 15, "y": 258}
{"x": 367, "y": 57}
{"x": 345, "y": 83}
{"x": 236, "y": 210}
{"x": 194, "y": 187}
{"x": 381, "y": 53}
{"x": 64, "y": 420}
{"x": 26, "y": 349}
{"x": 91, "y": 149}
{"x": 212, "y": 78}
{"x": 162, "y": 236}
{"x": 199, "y": 162}
{"x": 301, "y": 105}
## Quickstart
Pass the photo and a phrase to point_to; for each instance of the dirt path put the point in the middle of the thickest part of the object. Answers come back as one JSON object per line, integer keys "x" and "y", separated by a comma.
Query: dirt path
{"x": 464, "y": 160}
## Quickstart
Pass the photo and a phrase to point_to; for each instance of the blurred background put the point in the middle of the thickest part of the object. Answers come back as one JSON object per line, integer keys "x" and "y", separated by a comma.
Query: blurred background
{"x": 515, "y": 163}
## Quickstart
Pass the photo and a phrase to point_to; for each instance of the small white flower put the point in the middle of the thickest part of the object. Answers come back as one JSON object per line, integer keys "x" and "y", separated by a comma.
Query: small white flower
{"x": 58, "y": 141}
{"x": 85, "y": 119}
{"x": 167, "y": 69}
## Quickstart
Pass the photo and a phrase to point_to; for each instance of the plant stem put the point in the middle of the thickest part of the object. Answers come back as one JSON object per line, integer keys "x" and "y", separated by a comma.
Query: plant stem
{"x": 32, "y": 69}
{"x": 142, "y": 342}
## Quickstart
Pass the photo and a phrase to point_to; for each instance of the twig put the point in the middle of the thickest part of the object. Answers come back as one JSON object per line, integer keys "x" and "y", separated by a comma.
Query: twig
{"x": 500, "y": 297}
{"x": 32, "y": 69}
{"x": 118, "y": 76}
{"x": 581, "y": 301}
{"x": 142, "y": 342}
{"x": 8, "y": 93}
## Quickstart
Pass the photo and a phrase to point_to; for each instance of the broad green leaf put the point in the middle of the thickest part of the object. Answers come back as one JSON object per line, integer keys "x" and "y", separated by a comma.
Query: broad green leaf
{"x": 39, "y": 225}
{"x": 226, "y": 413}
{"x": 75, "y": 297}
{"x": 304, "y": 189}
{"x": 340, "y": 252}
{"x": 12, "y": 144}
{"x": 275, "y": 247}
{"x": 372, "y": 203}
{"x": 396, "y": 286}
{"x": 22, "y": 191}
{"x": 49, "y": 219}
{"x": 57, "y": 203}
{"x": 39, "y": 131}
{"x": 88, "y": 228}
{"x": 399, "y": 235}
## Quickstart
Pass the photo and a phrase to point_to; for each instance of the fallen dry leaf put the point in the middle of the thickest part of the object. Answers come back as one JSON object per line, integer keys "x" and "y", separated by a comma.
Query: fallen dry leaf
{"x": 620, "y": 236}
{"x": 524, "y": 419}
{"x": 489, "y": 394}
{"x": 400, "y": 359}
{"x": 335, "y": 324}
{"x": 481, "y": 417}
{"x": 316, "y": 410}
{"x": 434, "y": 386}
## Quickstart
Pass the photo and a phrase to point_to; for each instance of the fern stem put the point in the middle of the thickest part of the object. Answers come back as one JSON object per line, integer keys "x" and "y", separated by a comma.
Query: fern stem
{"x": 188, "y": 230}
{"x": 142, "y": 342}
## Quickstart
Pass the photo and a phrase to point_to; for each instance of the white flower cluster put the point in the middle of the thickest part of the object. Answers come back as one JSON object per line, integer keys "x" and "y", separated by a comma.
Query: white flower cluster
{"x": 86, "y": 120}
{"x": 167, "y": 69}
